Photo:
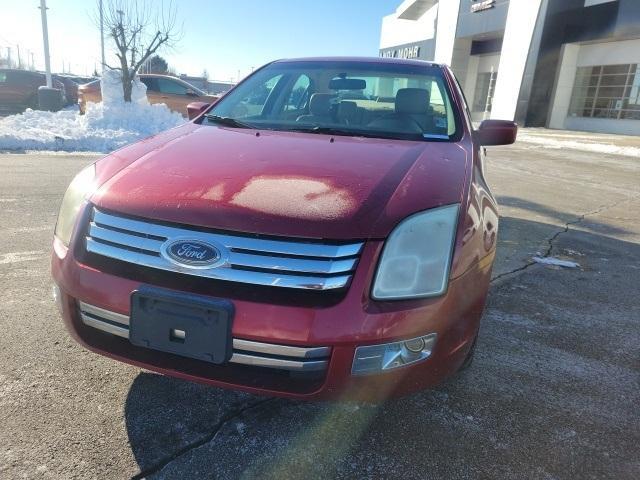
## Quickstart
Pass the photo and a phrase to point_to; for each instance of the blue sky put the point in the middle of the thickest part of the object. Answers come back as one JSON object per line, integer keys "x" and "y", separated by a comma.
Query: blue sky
{"x": 222, "y": 36}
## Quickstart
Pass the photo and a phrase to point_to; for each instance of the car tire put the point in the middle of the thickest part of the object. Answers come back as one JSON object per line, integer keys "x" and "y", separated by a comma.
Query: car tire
{"x": 468, "y": 361}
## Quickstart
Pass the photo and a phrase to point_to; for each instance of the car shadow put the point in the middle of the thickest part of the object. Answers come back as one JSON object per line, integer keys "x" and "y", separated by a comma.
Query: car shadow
{"x": 547, "y": 393}
{"x": 559, "y": 215}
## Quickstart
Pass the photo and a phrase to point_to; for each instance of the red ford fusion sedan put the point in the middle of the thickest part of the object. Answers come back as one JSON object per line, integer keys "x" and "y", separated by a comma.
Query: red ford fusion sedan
{"x": 324, "y": 230}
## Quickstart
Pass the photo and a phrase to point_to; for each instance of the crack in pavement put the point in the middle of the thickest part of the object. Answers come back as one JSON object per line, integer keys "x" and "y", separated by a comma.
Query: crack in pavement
{"x": 567, "y": 227}
{"x": 200, "y": 442}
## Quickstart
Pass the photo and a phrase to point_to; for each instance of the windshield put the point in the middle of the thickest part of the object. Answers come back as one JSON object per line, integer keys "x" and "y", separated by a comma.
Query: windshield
{"x": 375, "y": 99}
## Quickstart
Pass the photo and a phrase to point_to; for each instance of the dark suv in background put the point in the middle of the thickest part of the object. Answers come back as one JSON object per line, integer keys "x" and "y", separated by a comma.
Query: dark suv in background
{"x": 19, "y": 90}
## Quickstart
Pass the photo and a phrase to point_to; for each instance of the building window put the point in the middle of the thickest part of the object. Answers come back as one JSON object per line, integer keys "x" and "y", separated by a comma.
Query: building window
{"x": 483, "y": 95}
{"x": 608, "y": 91}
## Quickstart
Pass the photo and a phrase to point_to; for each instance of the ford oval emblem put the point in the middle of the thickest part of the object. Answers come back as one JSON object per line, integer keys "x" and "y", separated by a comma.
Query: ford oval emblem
{"x": 192, "y": 253}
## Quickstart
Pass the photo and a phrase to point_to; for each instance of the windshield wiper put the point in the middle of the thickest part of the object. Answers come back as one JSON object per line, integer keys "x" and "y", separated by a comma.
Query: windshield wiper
{"x": 227, "y": 121}
{"x": 334, "y": 131}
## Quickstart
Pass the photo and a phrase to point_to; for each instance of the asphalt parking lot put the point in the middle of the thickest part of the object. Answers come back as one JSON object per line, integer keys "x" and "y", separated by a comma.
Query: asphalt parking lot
{"x": 554, "y": 391}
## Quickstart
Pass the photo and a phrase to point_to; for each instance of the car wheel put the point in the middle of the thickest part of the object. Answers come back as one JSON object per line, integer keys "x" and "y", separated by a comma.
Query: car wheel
{"x": 469, "y": 358}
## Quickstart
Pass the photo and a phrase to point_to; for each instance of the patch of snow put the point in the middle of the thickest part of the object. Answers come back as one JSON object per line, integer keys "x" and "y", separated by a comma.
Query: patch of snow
{"x": 15, "y": 257}
{"x": 112, "y": 93}
{"x": 105, "y": 126}
{"x": 588, "y": 146}
{"x": 556, "y": 262}
{"x": 240, "y": 428}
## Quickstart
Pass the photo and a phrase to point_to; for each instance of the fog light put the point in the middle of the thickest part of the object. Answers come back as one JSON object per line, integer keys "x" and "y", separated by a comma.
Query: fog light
{"x": 387, "y": 356}
{"x": 415, "y": 345}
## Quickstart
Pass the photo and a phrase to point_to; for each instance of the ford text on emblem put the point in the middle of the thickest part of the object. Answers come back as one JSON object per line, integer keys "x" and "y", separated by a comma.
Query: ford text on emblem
{"x": 192, "y": 253}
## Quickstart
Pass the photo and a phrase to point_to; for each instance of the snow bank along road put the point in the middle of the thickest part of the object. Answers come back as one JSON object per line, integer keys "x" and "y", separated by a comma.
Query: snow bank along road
{"x": 106, "y": 126}
{"x": 553, "y": 392}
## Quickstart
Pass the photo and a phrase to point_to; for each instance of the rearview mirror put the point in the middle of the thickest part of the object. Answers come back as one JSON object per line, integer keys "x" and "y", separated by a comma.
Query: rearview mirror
{"x": 347, "y": 84}
{"x": 194, "y": 109}
{"x": 496, "y": 132}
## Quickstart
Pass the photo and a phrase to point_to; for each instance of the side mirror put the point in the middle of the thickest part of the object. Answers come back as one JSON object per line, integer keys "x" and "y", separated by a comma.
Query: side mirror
{"x": 194, "y": 109}
{"x": 191, "y": 93}
{"x": 496, "y": 132}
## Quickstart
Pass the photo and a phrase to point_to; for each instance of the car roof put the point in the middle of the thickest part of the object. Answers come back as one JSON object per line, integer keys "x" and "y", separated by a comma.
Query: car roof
{"x": 155, "y": 75}
{"x": 381, "y": 60}
{"x": 19, "y": 70}
{"x": 158, "y": 75}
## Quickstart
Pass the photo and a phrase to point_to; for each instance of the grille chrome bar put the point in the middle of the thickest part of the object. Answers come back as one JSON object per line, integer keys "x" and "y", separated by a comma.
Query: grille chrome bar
{"x": 287, "y": 263}
{"x": 247, "y": 243}
{"x": 246, "y": 352}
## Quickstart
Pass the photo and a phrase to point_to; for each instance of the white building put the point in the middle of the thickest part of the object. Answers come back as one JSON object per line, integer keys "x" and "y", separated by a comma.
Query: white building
{"x": 567, "y": 64}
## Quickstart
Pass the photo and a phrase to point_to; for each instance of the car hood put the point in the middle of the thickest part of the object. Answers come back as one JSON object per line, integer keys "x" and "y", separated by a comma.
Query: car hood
{"x": 280, "y": 183}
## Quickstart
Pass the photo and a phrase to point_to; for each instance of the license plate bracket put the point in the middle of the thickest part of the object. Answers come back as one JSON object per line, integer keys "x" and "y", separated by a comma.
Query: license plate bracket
{"x": 184, "y": 324}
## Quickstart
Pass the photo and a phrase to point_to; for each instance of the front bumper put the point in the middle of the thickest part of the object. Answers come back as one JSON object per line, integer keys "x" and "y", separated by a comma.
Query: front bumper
{"x": 334, "y": 330}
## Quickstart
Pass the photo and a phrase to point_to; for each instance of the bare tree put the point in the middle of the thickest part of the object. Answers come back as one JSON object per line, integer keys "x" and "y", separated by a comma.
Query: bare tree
{"x": 138, "y": 29}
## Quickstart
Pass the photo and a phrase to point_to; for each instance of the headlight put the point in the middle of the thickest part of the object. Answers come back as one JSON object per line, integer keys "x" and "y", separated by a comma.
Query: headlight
{"x": 81, "y": 187}
{"x": 416, "y": 258}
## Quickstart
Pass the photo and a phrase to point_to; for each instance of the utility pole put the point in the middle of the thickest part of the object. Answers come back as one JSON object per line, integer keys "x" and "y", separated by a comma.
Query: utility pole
{"x": 45, "y": 38}
{"x": 19, "y": 59}
{"x": 9, "y": 57}
{"x": 102, "y": 34}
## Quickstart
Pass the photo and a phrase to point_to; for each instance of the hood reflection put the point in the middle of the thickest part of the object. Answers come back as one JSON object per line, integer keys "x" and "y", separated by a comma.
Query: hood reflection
{"x": 296, "y": 197}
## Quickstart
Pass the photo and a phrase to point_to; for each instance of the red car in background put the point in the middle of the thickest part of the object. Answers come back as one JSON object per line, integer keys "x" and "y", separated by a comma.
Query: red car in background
{"x": 19, "y": 89}
{"x": 70, "y": 88}
{"x": 324, "y": 230}
{"x": 173, "y": 92}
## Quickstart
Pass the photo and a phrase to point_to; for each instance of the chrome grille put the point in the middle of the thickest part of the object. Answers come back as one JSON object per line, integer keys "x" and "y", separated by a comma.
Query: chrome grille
{"x": 246, "y": 352}
{"x": 287, "y": 263}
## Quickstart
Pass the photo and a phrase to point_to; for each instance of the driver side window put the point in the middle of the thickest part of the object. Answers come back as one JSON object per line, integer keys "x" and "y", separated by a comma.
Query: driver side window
{"x": 170, "y": 87}
{"x": 299, "y": 95}
{"x": 254, "y": 101}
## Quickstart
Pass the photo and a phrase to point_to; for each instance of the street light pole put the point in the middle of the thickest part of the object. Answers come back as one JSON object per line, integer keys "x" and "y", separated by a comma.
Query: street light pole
{"x": 45, "y": 38}
{"x": 102, "y": 34}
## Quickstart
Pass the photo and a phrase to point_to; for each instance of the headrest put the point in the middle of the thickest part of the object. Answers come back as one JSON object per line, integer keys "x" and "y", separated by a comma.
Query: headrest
{"x": 320, "y": 104}
{"x": 412, "y": 101}
{"x": 346, "y": 108}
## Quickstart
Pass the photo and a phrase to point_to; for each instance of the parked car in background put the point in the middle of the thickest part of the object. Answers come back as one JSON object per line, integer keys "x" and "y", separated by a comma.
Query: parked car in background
{"x": 81, "y": 80}
{"x": 70, "y": 87}
{"x": 19, "y": 89}
{"x": 294, "y": 239}
{"x": 172, "y": 91}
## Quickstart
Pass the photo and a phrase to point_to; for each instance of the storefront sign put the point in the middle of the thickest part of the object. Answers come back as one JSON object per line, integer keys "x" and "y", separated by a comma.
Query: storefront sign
{"x": 404, "y": 52}
{"x": 484, "y": 5}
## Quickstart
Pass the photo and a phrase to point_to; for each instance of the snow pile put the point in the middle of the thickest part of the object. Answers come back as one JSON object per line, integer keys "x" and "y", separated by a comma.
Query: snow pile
{"x": 112, "y": 94}
{"x": 105, "y": 127}
{"x": 547, "y": 141}
{"x": 555, "y": 262}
